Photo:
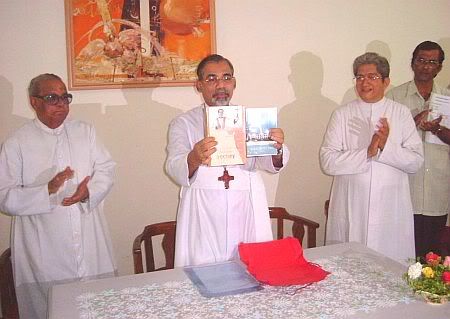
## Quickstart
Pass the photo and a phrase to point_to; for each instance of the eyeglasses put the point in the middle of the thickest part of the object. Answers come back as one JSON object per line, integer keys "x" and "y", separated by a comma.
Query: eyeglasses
{"x": 370, "y": 77}
{"x": 422, "y": 61}
{"x": 54, "y": 99}
{"x": 214, "y": 79}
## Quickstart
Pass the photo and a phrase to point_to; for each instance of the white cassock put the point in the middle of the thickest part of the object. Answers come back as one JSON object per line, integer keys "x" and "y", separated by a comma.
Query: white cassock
{"x": 50, "y": 243}
{"x": 370, "y": 199}
{"x": 212, "y": 220}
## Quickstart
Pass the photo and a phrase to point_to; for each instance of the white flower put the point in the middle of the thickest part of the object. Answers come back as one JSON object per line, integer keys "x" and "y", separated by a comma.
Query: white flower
{"x": 414, "y": 271}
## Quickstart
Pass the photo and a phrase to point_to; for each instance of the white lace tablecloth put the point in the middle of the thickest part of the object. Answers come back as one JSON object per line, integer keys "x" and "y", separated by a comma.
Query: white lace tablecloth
{"x": 356, "y": 284}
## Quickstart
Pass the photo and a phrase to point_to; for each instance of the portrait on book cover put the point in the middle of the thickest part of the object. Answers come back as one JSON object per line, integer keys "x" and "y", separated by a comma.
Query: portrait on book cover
{"x": 137, "y": 43}
{"x": 226, "y": 124}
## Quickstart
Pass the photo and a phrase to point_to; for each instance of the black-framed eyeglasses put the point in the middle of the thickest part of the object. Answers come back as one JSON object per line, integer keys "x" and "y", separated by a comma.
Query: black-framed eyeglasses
{"x": 422, "y": 61}
{"x": 213, "y": 79}
{"x": 370, "y": 76}
{"x": 53, "y": 99}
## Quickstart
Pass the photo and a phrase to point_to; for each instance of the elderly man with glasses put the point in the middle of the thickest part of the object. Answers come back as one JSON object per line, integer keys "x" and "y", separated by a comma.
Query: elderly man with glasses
{"x": 212, "y": 219}
{"x": 54, "y": 176}
{"x": 430, "y": 186}
{"x": 370, "y": 147}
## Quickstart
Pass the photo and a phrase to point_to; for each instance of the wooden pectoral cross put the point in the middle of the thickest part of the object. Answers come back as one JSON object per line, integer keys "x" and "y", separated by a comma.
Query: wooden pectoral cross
{"x": 226, "y": 178}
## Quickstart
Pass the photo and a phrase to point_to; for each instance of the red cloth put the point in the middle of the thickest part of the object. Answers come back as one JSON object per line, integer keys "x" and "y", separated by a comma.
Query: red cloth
{"x": 280, "y": 263}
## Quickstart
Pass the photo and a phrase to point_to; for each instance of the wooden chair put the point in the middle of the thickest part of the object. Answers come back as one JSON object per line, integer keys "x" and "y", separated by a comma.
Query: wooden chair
{"x": 298, "y": 225}
{"x": 167, "y": 229}
{"x": 8, "y": 298}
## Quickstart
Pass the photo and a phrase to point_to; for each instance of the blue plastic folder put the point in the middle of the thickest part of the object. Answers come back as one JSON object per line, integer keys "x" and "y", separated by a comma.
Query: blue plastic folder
{"x": 222, "y": 279}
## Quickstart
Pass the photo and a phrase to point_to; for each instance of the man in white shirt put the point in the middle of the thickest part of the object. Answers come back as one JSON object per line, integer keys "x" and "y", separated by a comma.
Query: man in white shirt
{"x": 430, "y": 186}
{"x": 213, "y": 220}
{"x": 370, "y": 146}
{"x": 54, "y": 176}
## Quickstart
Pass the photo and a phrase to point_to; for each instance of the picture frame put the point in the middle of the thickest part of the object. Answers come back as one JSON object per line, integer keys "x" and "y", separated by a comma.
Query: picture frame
{"x": 116, "y": 44}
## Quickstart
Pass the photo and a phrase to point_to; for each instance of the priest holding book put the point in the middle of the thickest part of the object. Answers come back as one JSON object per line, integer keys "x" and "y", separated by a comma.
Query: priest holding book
{"x": 219, "y": 207}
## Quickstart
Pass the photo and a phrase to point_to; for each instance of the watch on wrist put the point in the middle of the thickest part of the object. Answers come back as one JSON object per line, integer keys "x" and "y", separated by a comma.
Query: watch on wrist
{"x": 438, "y": 130}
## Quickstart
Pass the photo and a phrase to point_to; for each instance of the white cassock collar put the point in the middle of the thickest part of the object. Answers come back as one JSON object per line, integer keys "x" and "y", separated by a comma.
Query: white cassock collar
{"x": 45, "y": 128}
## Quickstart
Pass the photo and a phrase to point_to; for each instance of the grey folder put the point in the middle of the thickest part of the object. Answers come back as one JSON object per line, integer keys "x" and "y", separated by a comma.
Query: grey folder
{"x": 222, "y": 279}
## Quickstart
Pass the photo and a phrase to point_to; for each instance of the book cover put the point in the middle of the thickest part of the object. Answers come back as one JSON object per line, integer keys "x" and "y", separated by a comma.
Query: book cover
{"x": 258, "y": 123}
{"x": 227, "y": 125}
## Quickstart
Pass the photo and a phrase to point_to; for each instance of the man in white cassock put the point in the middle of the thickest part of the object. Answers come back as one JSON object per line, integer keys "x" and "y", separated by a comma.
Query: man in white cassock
{"x": 54, "y": 176}
{"x": 370, "y": 147}
{"x": 212, "y": 220}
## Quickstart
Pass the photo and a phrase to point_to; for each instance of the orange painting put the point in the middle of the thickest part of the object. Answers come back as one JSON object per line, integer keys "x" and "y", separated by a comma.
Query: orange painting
{"x": 137, "y": 43}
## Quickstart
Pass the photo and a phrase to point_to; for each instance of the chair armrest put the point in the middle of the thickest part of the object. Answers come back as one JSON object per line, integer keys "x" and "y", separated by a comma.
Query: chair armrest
{"x": 137, "y": 255}
{"x": 306, "y": 221}
{"x": 298, "y": 227}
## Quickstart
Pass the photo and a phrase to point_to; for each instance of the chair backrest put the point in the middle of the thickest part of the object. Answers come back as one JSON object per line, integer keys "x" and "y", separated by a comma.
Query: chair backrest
{"x": 167, "y": 230}
{"x": 298, "y": 225}
{"x": 325, "y": 211}
{"x": 7, "y": 289}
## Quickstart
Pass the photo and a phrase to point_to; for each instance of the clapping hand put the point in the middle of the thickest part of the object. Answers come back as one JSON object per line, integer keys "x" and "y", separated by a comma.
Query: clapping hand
{"x": 379, "y": 138}
{"x": 81, "y": 194}
{"x": 59, "y": 179}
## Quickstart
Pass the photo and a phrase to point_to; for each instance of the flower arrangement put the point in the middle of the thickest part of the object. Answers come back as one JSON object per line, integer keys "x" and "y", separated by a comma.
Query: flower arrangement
{"x": 431, "y": 279}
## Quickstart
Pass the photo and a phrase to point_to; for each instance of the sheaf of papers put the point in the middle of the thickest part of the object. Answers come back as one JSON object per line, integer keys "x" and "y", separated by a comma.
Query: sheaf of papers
{"x": 439, "y": 106}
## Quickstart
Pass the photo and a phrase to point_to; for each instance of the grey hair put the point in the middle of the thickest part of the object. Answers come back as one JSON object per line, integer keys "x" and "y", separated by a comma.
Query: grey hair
{"x": 380, "y": 62}
{"x": 35, "y": 84}
{"x": 216, "y": 58}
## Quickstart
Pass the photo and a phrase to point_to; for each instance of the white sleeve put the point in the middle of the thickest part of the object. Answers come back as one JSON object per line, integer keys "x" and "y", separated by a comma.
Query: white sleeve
{"x": 178, "y": 148}
{"x": 335, "y": 157}
{"x": 16, "y": 199}
{"x": 266, "y": 163}
{"x": 408, "y": 154}
{"x": 103, "y": 167}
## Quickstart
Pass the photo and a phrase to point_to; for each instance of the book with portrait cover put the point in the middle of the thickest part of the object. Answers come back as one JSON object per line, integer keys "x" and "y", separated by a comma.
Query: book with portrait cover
{"x": 227, "y": 125}
{"x": 259, "y": 120}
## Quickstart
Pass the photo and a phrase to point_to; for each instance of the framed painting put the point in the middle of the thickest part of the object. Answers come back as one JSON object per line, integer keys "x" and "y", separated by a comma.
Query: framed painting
{"x": 137, "y": 43}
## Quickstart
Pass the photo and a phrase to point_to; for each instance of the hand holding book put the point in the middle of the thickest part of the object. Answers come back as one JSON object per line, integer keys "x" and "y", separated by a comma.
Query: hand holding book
{"x": 242, "y": 133}
{"x": 201, "y": 153}
{"x": 277, "y": 135}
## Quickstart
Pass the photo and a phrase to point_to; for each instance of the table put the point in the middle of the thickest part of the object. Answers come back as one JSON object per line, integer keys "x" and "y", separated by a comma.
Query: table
{"x": 363, "y": 284}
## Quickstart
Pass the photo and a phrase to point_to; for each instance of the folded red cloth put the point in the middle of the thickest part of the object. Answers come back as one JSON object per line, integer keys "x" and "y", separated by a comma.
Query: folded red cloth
{"x": 280, "y": 263}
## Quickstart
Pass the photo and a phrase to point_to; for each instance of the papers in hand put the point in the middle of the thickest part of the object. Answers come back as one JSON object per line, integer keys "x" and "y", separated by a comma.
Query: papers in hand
{"x": 439, "y": 106}
{"x": 222, "y": 279}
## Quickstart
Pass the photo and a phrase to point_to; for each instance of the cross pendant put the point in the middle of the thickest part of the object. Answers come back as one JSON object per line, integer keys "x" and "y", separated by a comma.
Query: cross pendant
{"x": 225, "y": 178}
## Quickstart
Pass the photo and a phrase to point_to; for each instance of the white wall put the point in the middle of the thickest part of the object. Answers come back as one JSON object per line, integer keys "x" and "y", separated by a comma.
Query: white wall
{"x": 293, "y": 54}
